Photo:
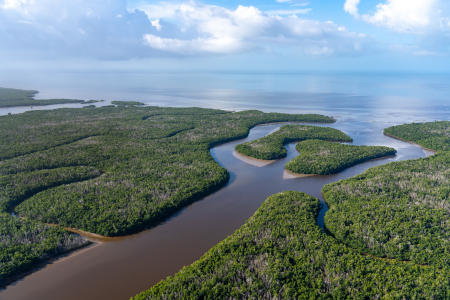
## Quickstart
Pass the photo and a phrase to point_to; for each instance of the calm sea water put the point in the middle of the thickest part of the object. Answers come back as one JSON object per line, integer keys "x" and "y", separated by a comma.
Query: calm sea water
{"x": 397, "y": 97}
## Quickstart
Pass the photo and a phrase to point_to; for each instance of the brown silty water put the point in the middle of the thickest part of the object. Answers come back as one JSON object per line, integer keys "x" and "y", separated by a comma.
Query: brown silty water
{"x": 123, "y": 267}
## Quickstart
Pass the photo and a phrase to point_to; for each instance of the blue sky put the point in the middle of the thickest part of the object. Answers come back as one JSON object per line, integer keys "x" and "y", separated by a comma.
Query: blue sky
{"x": 279, "y": 35}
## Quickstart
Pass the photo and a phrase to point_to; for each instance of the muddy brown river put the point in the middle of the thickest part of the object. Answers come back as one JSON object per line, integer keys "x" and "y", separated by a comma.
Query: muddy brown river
{"x": 122, "y": 268}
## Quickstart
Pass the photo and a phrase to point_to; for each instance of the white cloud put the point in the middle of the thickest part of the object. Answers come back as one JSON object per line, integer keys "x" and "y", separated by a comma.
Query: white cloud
{"x": 193, "y": 28}
{"x": 351, "y": 6}
{"x": 403, "y": 15}
{"x": 411, "y": 16}
{"x": 426, "y": 23}
{"x": 78, "y": 28}
{"x": 156, "y": 24}
{"x": 16, "y": 4}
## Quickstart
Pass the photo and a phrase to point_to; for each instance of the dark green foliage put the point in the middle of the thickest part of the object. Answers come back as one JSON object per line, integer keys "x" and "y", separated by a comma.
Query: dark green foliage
{"x": 402, "y": 209}
{"x": 432, "y": 135}
{"x": 16, "y": 94}
{"x": 323, "y": 158}
{"x": 25, "y": 243}
{"x": 399, "y": 210}
{"x": 153, "y": 161}
{"x": 110, "y": 170}
{"x": 92, "y": 101}
{"x": 15, "y": 97}
{"x": 127, "y": 103}
{"x": 280, "y": 253}
{"x": 15, "y": 188}
{"x": 271, "y": 146}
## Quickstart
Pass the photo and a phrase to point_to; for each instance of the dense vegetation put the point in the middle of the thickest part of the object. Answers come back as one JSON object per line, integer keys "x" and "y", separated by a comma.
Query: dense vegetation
{"x": 321, "y": 157}
{"x": 15, "y": 97}
{"x": 110, "y": 170}
{"x": 280, "y": 253}
{"x": 24, "y": 243}
{"x": 271, "y": 146}
{"x": 115, "y": 170}
{"x": 17, "y": 187}
{"x": 127, "y": 103}
{"x": 400, "y": 210}
{"x": 432, "y": 135}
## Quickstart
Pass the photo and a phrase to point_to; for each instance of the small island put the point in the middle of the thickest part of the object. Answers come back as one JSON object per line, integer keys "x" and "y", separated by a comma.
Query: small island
{"x": 272, "y": 146}
{"x": 323, "y": 158}
{"x": 16, "y": 97}
{"x": 127, "y": 103}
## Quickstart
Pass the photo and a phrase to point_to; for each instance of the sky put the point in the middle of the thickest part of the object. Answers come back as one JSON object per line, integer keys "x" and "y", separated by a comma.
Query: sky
{"x": 226, "y": 35}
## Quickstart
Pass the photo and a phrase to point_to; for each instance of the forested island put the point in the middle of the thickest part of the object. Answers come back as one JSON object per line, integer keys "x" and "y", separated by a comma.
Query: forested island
{"x": 320, "y": 152}
{"x": 127, "y": 103}
{"x": 15, "y": 97}
{"x": 272, "y": 146}
{"x": 323, "y": 158}
{"x": 432, "y": 135}
{"x": 110, "y": 171}
{"x": 386, "y": 236}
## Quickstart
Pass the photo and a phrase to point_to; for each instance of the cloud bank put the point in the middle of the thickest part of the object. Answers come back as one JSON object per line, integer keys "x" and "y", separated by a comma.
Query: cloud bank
{"x": 74, "y": 28}
{"x": 193, "y": 28}
{"x": 108, "y": 29}
{"x": 408, "y": 16}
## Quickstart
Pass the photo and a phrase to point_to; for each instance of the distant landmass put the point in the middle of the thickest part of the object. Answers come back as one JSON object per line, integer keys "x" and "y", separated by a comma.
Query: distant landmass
{"x": 16, "y": 97}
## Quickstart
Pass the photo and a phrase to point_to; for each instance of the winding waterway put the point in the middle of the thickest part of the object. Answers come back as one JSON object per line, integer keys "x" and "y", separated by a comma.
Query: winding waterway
{"x": 123, "y": 267}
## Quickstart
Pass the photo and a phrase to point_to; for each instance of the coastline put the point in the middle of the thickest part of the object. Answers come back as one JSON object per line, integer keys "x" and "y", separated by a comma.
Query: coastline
{"x": 291, "y": 175}
{"x": 90, "y": 236}
{"x": 412, "y": 143}
{"x": 256, "y": 162}
{"x": 50, "y": 260}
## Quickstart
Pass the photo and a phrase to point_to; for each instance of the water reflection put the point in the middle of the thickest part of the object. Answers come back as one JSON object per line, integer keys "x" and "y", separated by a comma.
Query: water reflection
{"x": 418, "y": 97}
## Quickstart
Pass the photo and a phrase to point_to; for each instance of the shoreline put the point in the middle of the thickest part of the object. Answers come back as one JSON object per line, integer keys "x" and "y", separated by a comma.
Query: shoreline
{"x": 409, "y": 142}
{"x": 90, "y": 236}
{"x": 49, "y": 261}
{"x": 291, "y": 175}
{"x": 256, "y": 162}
